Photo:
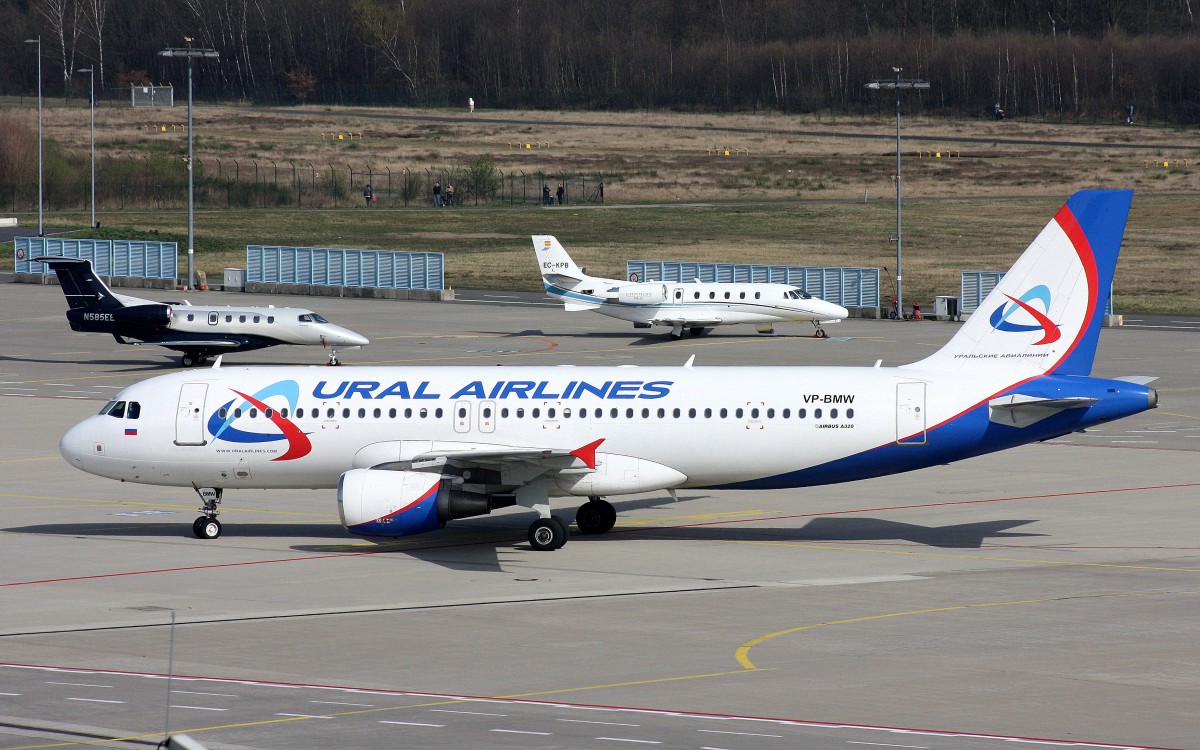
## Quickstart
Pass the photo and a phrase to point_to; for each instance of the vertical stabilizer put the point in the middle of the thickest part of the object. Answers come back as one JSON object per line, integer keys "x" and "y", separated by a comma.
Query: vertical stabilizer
{"x": 555, "y": 265}
{"x": 82, "y": 287}
{"x": 1046, "y": 313}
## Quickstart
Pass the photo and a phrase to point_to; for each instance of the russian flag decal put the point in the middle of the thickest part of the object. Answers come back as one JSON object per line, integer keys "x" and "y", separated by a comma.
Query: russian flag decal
{"x": 130, "y": 431}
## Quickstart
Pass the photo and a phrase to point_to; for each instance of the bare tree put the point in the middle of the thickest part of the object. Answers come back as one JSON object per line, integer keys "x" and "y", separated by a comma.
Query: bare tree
{"x": 63, "y": 19}
{"x": 97, "y": 12}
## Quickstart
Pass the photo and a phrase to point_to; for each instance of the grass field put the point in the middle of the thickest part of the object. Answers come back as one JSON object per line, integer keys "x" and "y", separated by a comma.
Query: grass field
{"x": 809, "y": 191}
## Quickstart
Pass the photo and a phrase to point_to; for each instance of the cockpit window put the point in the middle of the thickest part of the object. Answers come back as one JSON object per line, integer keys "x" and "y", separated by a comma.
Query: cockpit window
{"x": 312, "y": 318}
{"x": 798, "y": 294}
{"x": 114, "y": 409}
{"x": 134, "y": 411}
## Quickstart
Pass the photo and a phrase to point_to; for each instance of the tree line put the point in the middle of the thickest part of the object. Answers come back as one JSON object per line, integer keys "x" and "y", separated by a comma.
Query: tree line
{"x": 1041, "y": 58}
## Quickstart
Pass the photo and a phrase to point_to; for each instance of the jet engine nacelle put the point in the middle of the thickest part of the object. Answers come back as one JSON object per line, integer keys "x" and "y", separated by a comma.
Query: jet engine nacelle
{"x": 145, "y": 316}
{"x": 642, "y": 294}
{"x": 374, "y": 502}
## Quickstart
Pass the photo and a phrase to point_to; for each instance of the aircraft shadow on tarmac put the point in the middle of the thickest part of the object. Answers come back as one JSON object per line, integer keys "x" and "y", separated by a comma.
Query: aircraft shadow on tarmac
{"x": 649, "y": 337}
{"x": 859, "y": 529}
{"x": 142, "y": 530}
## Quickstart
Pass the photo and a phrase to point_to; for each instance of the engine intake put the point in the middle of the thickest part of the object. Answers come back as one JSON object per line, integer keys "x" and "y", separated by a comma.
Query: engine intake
{"x": 372, "y": 502}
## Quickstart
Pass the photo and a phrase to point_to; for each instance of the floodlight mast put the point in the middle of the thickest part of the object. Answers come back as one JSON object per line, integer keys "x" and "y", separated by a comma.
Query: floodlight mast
{"x": 190, "y": 53}
{"x": 41, "y": 173}
{"x": 898, "y": 84}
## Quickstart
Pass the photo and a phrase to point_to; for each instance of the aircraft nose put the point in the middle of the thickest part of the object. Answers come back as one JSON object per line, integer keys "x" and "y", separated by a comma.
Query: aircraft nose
{"x": 350, "y": 338}
{"x": 832, "y": 311}
{"x": 73, "y": 444}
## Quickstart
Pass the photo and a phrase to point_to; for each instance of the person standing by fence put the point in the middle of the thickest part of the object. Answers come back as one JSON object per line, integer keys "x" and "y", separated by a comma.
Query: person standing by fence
{"x": 560, "y": 193}
{"x": 368, "y": 194}
{"x": 546, "y": 195}
{"x": 437, "y": 194}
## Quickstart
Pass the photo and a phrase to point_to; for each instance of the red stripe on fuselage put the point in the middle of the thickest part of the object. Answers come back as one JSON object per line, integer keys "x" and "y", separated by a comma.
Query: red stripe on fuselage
{"x": 298, "y": 443}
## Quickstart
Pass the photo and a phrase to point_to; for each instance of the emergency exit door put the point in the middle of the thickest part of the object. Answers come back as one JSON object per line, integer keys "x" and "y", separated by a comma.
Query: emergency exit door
{"x": 910, "y": 413}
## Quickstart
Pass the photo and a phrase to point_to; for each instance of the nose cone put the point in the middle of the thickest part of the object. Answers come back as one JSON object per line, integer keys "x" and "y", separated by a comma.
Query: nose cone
{"x": 345, "y": 337}
{"x": 830, "y": 311}
{"x": 73, "y": 444}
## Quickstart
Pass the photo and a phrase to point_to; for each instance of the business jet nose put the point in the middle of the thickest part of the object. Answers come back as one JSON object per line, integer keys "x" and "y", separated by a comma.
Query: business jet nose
{"x": 73, "y": 444}
{"x": 350, "y": 338}
{"x": 831, "y": 311}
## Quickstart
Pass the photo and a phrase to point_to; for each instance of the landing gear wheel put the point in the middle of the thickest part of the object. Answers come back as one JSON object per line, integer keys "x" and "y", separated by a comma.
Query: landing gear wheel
{"x": 547, "y": 534}
{"x": 189, "y": 359}
{"x": 696, "y": 330}
{"x": 206, "y": 528}
{"x": 596, "y": 517}
{"x": 821, "y": 334}
{"x": 676, "y": 334}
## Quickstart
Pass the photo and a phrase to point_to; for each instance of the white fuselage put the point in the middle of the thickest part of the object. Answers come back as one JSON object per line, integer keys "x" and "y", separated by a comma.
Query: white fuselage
{"x": 690, "y": 427}
{"x": 284, "y": 325}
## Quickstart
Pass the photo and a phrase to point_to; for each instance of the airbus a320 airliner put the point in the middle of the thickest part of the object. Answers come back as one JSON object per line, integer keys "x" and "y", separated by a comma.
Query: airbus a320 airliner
{"x": 692, "y": 306}
{"x": 411, "y": 448}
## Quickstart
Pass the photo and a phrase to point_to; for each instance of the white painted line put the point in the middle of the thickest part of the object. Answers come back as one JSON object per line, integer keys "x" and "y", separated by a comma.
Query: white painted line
{"x": 412, "y": 724}
{"x": 627, "y": 739}
{"x": 740, "y": 734}
{"x": 201, "y": 708}
{"x": 606, "y": 723}
{"x": 469, "y": 713}
{"x": 92, "y": 700}
{"x": 77, "y": 684}
{"x": 885, "y": 744}
{"x": 305, "y": 716}
{"x": 9, "y": 693}
{"x": 519, "y": 731}
{"x": 501, "y": 296}
{"x": 1137, "y": 442}
{"x": 339, "y": 703}
{"x": 19, "y": 389}
{"x": 60, "y": 385}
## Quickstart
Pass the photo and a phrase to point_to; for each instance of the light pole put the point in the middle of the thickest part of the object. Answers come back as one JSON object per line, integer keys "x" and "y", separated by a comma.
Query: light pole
{"x": 898, "y": 83}
{"x": 190, "y": 53}
{"x": 92, "y": 103}
{"x": 38, "y": 42}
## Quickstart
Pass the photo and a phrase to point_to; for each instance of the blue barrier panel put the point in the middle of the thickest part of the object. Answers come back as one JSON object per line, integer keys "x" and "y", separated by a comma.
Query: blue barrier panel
{"x": 975, "y": 286}
{"x": 329, "y": 266}
{"x": 848, "y": 287}
{"x": 132, "y": 258}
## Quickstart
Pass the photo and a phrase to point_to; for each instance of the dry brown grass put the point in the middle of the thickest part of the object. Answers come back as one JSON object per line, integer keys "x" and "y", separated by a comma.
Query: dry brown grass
{"x": 813, "y": 190}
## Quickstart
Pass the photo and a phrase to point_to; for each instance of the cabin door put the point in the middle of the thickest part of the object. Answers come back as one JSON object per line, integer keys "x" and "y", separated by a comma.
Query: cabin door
{"x": 189, "y": 416}
{"x": 910, "y": 413}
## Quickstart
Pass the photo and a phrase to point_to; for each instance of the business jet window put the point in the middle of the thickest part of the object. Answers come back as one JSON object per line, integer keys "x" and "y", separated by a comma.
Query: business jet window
{"x": 726, "y": 295}
{"x": 213, "y": 318}
{"x": 191, "y": 317}
{"x": 228, "y": 318}
{"x": 758, "y": 295}
{"x": 241, "y": 318}
{"x": 270, "y": 318}
{"x": 257, "y": 318}
{"x": 741, "y": 295}
{"x": 696, "y": 295}
{"x": 712, "y": 295}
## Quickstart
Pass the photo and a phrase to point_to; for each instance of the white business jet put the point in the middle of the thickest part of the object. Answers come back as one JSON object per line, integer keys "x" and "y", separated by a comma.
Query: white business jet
{"x": 411, "y": 448}
{"x": 692, "y": 306}
{"x": 197, "y": 331}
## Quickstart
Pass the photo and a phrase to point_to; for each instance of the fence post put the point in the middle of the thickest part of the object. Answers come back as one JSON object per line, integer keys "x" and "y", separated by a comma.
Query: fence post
{"x": 296, "y": 184}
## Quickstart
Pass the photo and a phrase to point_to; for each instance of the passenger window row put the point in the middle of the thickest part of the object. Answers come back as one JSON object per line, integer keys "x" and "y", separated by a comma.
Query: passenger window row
{"x": 533, "y": 413}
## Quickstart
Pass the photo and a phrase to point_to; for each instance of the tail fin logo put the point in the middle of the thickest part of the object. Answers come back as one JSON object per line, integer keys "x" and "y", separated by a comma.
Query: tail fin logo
{"x": 1040, "y": 293}
{"x": 220, "y": 424}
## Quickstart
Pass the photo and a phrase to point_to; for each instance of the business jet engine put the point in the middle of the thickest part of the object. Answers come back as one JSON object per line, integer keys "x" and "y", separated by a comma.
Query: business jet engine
{"x": 642, "y": 294}
{"x": 375, "y": 502}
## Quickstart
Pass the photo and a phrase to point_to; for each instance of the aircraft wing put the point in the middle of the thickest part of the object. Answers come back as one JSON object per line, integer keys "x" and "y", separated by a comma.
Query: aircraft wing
{"x": 1018, "y": 410}
{"x": 229, "y": 343}
{"x": 676, "y": 320}
{"x": 546, "y": 458}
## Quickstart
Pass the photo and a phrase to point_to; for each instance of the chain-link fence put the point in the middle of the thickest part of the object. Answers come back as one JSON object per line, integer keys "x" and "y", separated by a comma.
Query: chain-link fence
{"x": 155, "y": 183}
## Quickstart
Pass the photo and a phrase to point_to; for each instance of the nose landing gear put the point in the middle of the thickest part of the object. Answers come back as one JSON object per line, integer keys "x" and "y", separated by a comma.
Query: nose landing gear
{"x": 207, "y": 526}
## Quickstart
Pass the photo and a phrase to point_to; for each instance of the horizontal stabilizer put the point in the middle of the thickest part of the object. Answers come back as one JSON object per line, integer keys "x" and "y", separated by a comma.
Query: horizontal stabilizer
{"x": 1137, "y": 379}
{"x": 1017, "y": 410}
{"x": 575, "y": 305}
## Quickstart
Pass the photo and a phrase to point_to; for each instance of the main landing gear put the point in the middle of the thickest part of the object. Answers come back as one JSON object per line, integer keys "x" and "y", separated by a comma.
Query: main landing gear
{"x": 192, "y": 358}
{"x": 596, "y": 516}
{"x": 548, "y": 533}
{"x": 207, "y": 526}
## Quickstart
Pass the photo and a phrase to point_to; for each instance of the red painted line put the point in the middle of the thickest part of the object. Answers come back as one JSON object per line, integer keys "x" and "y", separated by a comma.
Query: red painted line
{"x": 594, "y": 706}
